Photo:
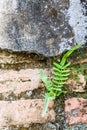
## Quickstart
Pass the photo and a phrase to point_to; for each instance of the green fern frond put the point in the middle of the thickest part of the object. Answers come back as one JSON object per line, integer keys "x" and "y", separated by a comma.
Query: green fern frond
{"x": 59, "y": 76}
{"x": 45, "y": 80}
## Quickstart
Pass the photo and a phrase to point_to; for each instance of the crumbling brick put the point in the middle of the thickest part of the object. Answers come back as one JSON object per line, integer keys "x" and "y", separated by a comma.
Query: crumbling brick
{"x": 23, "y": 112}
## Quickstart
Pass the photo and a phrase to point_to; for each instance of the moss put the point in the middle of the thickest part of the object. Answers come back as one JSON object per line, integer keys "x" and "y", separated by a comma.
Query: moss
{"x": 79, "y": 69}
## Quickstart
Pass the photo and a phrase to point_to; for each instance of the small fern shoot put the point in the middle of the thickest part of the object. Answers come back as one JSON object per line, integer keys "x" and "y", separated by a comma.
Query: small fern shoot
{"x": 59, "y": 76}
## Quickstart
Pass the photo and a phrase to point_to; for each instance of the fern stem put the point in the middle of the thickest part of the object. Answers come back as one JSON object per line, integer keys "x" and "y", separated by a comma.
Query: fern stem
{"x": 68, "y": 53}
{"x": 46, "y": 104}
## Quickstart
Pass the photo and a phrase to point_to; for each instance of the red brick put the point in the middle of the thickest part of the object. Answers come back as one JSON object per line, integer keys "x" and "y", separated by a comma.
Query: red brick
{"x": 23, "y": 112}
{"x": 76, "y": 111}
{"x": 19, "y": 81}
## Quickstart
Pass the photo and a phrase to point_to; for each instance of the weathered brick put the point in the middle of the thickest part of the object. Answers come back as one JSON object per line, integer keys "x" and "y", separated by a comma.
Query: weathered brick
{"x": 76, "y": 111}
{"x": 23, "y": 112}
{"x": 19, "y": 81}
{"x": 76, "y": 85}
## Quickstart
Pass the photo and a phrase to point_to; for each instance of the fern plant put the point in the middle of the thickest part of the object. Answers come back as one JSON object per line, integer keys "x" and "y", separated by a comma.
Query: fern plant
{"x": 59, "y": 76}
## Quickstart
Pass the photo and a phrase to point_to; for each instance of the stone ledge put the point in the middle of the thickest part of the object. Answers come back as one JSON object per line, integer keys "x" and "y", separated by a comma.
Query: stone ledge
{"x": 76, "y": 111}
{"x": 23, "y": 112}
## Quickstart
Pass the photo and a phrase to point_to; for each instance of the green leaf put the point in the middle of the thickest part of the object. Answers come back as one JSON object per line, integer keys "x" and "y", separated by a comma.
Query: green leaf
{"x": 61, "y": 83}
{"x": 68, "y": 53}
{"x": 67, "y": 65}
{"x": 49, "y": 87}
{"x": 60, "y": 78}
{"x": 58, "y": 83}
{"x": 43, "y": 77}
{"x": 65, "y": 71}
{"x": 57, "y": 65}
{"x": 46, "y": 81}
{"x": 59, "y": 93}
{"x": 50, "y": 95}
{"x": 57, "y": 69}
{"x": 57, "y": 89}
{"x": 61, "y": 71}
{"x": 60, "y": 75}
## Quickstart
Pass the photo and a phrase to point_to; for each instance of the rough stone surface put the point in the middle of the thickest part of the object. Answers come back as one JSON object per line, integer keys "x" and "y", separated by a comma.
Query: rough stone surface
{"x": 19, "y": 81}
{"x": 49, "y": 126}
{"x": 41, "y": 26}
{"x": 35, "y": 26}
{"x": 22, "y": 112}
{"x": 78, "y": 19}
{"x": 76, "y": 111}
{"x": 79, "y": 127}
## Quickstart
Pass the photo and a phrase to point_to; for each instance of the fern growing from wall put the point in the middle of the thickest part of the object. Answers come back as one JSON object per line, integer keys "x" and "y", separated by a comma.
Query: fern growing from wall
{"x": 59, "y": 76}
